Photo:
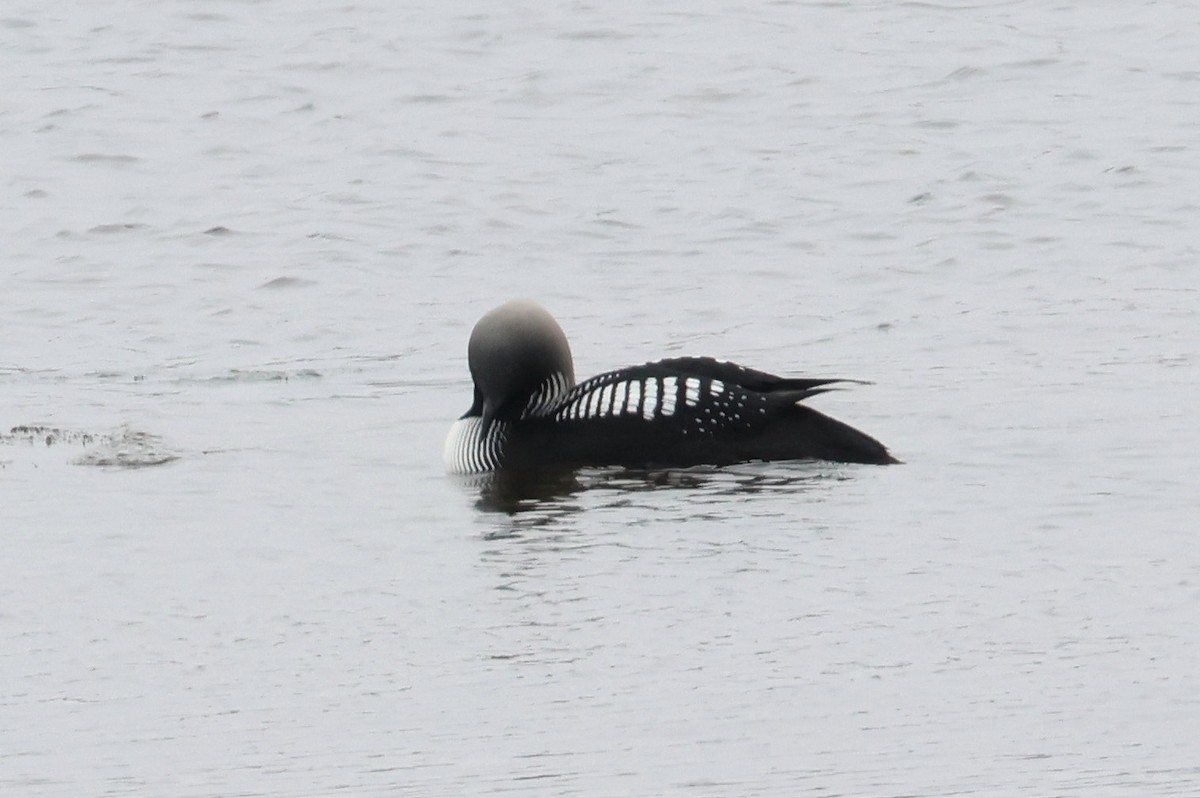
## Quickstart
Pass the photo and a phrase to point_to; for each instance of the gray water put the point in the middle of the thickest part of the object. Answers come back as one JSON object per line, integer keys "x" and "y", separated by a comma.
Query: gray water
{"x": 245, "y": 243}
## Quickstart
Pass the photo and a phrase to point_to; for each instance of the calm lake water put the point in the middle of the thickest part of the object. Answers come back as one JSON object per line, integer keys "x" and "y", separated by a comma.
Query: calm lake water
{"x": 245, "y": 244}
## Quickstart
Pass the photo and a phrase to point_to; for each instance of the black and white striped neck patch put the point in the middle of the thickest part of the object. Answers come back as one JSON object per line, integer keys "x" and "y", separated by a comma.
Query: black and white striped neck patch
{"x": 468, "y": 451}
{"x": 547, "y": 395}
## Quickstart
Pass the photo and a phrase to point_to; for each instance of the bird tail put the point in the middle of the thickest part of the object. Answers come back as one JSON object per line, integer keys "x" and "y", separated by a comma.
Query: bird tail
{"x": 829, "y": 439}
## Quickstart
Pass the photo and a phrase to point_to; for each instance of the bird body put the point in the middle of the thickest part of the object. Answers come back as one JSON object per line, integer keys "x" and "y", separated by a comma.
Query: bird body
{"x": 529, "y": 414}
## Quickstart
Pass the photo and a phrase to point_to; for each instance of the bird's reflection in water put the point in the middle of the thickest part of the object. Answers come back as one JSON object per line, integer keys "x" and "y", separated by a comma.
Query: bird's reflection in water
{"x": 540, "y": 498}
{"x": 514, "y": 492}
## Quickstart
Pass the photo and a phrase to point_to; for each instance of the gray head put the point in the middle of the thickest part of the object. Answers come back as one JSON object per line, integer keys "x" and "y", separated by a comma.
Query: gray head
{"x": 514, "y": 351}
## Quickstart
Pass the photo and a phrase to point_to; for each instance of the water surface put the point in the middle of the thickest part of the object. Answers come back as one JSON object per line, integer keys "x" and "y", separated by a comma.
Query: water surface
{"x": 246, "y": 243}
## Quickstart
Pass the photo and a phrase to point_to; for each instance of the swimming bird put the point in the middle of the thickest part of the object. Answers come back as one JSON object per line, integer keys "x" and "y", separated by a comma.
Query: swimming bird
{"x": 529, "y": 414}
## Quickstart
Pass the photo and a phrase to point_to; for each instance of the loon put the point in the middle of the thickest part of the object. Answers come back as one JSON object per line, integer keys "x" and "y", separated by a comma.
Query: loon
{"x": 529, "y": 414}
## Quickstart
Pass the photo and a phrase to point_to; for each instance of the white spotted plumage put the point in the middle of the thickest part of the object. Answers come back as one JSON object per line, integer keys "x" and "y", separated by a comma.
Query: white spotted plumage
{"x": 620, "y": 394}
{"x": 635, "y": 397}
{"x": 650, "y": 406}
{"x": 653, "y": 397}
{"x": 606, "y": 400}
{"x": 669, "y": 393}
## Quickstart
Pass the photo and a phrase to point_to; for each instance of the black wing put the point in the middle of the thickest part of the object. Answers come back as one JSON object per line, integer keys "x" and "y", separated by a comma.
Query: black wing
{"x": 687, "y": 411}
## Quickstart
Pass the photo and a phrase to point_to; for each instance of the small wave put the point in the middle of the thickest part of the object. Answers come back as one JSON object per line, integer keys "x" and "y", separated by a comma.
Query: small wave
{"x": 264, "y": 375}
{"x": 100, "y": 157}
{"x": 124, "y": 447}
{"x": 128, "y": 448}
{"x": 287, "y": 282}
{"x": 117, "y": 227}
